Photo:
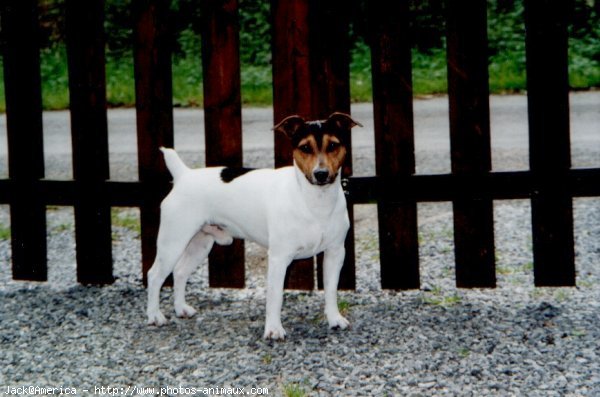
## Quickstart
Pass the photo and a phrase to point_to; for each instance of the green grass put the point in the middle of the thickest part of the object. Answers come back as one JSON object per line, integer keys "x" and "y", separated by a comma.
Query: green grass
{"x": 436, "y": 297}
{"x": 125, "y": 220}
{"x": 506, "y": 75}
{"x": 445, "y": 301}
{"x": 187, "y": 81}
{"x": 464, "y": 352}
{"x": 55, "y": 80}
{"x": 344, "y": 307}
{"x": 257, "y": 87}
{"x": 120, "y": 83}
{"x": 62, "y": 227}
{"x": 429, "y": 73}
{"x": 267, "y": 358}
{"x": 294, "y": 390}
{"x": 4, "y": 232}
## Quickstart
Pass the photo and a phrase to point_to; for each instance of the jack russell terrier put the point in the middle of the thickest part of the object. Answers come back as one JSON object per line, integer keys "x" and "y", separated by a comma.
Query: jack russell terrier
{"x": 296, "y": 212}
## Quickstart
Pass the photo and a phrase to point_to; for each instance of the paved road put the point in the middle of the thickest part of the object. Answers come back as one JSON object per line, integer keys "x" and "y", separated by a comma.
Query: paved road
{"x": 508, "y": 124}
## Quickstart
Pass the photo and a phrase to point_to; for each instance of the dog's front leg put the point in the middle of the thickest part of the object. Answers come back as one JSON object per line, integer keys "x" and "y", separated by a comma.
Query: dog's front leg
{"x": 332, "y": 265}
{"x": 275, "y": 279}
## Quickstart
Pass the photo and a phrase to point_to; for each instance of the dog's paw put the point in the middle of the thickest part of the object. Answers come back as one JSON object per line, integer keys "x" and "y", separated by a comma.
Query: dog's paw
{"x": 185, "y": 311}
{"x": 338, "y": 322}
{"x": 274, "y": 332}
{"x": 156, "y": 318}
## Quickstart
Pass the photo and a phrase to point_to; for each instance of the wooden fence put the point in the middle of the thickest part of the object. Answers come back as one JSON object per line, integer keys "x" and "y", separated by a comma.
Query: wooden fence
{"x": 310, "y": 77}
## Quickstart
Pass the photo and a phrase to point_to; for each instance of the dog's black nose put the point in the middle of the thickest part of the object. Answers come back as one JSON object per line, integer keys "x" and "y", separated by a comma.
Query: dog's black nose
{"x": 321, "y": 176}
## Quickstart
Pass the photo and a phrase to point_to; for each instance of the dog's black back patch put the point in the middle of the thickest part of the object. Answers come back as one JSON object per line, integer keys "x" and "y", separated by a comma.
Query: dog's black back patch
{"x": 228, "y": 174}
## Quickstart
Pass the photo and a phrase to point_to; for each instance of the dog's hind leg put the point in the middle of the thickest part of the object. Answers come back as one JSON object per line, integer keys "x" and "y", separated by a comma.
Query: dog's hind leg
{"x": 196, "y": 251}
{"x": 175, "y": 233}
{"x": 156, "y": 277}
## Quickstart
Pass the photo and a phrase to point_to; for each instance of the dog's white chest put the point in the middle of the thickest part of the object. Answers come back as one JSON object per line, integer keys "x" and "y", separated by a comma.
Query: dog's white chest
{"x": 311, "y": 243}
{"x": 318, "y": 236}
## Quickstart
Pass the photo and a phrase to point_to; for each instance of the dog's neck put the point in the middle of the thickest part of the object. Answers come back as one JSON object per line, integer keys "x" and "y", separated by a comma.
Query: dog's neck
{"x": 321, "y": 199}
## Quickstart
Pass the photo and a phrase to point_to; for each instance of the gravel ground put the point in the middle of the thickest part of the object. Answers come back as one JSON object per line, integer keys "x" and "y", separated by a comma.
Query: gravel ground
{"x": 439, "y": 340}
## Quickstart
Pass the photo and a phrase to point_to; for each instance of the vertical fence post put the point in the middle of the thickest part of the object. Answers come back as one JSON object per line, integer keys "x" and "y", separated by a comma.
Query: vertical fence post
{"x": 549, "y": 143}
{"x": 330, "y": 91}
{"x": 223, "y": 118}
{"x": 468, "y": 92}
{"x": 87, "y": 89}
{"x": 291, "y": 71}
{"x": 21, "y": 61}
{"x": 291, "y": 95}
{"x": 154, "y": 109}
{"x": 394, "y": 139}
{"x": 311, "y": 78}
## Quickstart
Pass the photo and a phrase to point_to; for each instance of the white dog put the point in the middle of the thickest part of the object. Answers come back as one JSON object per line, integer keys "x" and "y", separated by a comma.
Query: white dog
{"x": 296, "y": 212}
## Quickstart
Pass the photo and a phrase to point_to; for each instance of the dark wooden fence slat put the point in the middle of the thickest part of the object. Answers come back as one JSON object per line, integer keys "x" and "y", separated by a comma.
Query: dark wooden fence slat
{"x": 291, "y": 95}
{"x": 329, "y": 64}
{"x": 21, "y": 61}
{"x": 291, "y": 69}
{"x": 87, "y": 89}
{"x": 394, "y": 139}
{"x": 468, "y": 93}
{"x": 223, "y": 118}
{"x": 549, "y": 142}
{"x": 330, "y": 60}
{"x": 311, "y": 78}
{"x": 154, "y": 110}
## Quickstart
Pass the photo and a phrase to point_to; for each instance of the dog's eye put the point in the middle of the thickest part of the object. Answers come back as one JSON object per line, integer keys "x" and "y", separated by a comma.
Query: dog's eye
{"x": 332, "y": 146}
{"x": 305, "y": 148}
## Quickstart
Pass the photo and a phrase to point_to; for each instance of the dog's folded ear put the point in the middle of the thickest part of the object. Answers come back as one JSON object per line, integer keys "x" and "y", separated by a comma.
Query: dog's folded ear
{"x": 342, "y": 121}
{"x": 290, "y": 125}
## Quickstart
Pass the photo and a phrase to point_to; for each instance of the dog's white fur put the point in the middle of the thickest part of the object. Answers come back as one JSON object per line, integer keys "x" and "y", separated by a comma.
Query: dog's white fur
{"x": 279, "y": 209}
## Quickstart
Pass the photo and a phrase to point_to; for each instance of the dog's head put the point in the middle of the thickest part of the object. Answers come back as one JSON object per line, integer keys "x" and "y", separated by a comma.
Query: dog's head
{"x": 319, "y": 146}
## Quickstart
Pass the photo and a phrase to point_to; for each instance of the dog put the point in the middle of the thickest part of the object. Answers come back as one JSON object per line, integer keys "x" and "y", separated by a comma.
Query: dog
{"x": 296, "y": 212}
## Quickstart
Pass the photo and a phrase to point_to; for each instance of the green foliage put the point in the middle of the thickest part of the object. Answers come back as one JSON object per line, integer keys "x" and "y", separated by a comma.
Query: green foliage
{"x": 429, "y": 72}
{"x": 120, "y": 83}
{"x": 360, "y": 73}
{"x": 506, "y": 42}
{"x": 506, "y": 35}
{"x": 427, "y": 27}
{"x": 584, "y": 55}
{"x": 257, "y": 85}
{"x": 55, "y": 80}
{"x": 187, "y": 81}
{"x": 255, "y": 32}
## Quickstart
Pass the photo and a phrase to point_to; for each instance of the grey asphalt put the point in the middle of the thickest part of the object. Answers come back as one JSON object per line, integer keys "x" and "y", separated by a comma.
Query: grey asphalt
{"x": 508, "y": 125}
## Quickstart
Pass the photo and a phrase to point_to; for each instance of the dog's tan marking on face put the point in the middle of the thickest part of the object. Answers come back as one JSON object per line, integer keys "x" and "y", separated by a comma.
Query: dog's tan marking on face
{"x": 328, "y": 154}
{"x": 306, "y": 155}
{"x": 333, "y": 154}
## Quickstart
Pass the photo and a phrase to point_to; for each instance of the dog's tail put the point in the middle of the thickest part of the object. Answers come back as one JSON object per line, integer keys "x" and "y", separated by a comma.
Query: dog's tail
{"x": 174, "y": 164}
